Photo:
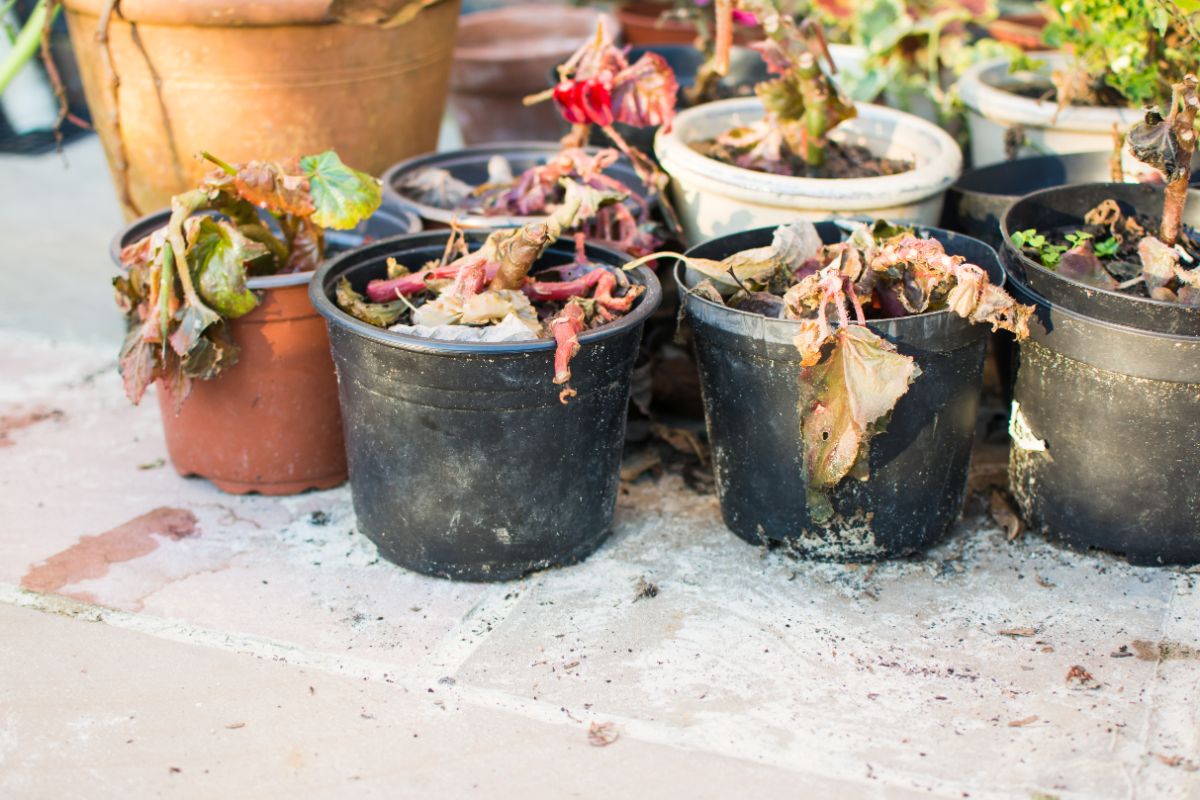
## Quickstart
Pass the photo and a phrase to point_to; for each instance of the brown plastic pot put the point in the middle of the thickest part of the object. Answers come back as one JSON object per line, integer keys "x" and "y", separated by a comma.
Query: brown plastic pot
{"x": 642, "y": 24}
{"x": 500, "y": 56}
{"x": 255, "y": 79}
{"x": 270, "y": 423}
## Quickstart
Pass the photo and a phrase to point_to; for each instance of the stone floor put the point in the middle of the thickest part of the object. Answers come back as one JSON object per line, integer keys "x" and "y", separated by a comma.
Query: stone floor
{"x": 164, "y": 639}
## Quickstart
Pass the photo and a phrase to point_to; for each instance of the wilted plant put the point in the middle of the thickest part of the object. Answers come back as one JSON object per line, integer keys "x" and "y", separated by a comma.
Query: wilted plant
{"x": 851, "y": 376}
{"x": 492, "y": 288}
{"x": 184, "y": 281}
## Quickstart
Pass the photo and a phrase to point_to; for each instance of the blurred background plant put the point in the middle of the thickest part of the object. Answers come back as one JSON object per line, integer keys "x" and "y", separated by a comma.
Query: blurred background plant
{"x": 1126, "y": 52}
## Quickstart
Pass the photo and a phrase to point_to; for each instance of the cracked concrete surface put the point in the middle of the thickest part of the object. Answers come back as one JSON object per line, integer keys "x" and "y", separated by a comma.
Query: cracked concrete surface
{"x": 237, "y": 645}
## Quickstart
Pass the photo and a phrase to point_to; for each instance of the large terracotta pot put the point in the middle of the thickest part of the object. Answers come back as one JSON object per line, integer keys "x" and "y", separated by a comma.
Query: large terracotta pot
{"x": 270, "y": 423}
{"x": 255, "y": 79}
{"x": 503, "y": 55}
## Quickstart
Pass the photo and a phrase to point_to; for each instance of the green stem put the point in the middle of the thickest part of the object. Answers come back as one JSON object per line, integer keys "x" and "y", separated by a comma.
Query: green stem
{"x": 182, "y": 207}
{"x": 26, "y": 43}
{"x": 166, "y": 292}
{"x": 816, "y": 119}
{"x": 227, "y": 167}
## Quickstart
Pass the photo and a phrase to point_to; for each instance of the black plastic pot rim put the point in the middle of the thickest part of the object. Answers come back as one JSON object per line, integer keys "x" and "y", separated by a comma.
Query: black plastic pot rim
{"x": 681, "y": 266}
{"x": 1022, "y": 291}
{"x": 427, "y": 211}
{"x": 1193, "y": 198}
{"x": 642, "y": 309}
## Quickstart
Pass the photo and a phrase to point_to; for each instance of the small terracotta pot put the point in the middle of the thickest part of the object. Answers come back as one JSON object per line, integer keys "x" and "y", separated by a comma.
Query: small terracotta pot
{"x": 642, "y": 24}
{"x": 503, "y": 55}
{"x": 249, "y": 79}
{"x": 270, "y": 423}
{"x": 1021, "y": 30}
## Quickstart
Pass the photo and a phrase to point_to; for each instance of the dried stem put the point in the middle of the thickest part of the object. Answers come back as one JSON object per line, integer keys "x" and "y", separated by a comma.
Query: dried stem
{"x": 1184, "y": 105}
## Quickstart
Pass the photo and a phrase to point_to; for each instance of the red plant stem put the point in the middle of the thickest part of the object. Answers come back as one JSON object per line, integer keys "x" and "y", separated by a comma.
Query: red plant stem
{"x": 858, "y": 309}
{"x": 566, "y": 328}
{"x": 385, "y": 291}
{"x": 563, "y": 290}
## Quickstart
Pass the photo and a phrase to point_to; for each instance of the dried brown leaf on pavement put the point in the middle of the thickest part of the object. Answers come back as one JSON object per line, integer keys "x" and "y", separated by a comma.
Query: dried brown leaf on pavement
{"x": 602, "y": 734}
{"x": 1018, "y": 632}
{"x": 1005, "y": 516}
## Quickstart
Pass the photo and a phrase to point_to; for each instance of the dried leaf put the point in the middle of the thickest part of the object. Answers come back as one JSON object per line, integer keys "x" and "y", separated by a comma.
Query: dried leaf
{"x": 279, "y": 187}
{"x": 1020, "y": 723}
{"x": 1002, "y": 512}
{"x": 1023, "y": 632}
{"x": 644, "y": 93}
{"x": 382, "y": 315}
{"x": 845, "y": 396}
{"x": 1159, "y": 262}
{"x": 602, "y": 734}
{"x": 1080, "y": 263}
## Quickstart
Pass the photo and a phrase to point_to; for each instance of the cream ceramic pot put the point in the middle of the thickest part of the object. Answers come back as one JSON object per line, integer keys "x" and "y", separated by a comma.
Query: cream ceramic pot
{"x": 714, "y": 199}
{"x": 992, "y": 110}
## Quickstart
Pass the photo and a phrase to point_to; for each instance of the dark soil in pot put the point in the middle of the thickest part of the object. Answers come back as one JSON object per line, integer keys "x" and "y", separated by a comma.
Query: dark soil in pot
{"x": 749, "y": 371}
{"x": 1106, "y": 435}
{"x": 1064, "y": 209}
{"x": 463, "y": 462}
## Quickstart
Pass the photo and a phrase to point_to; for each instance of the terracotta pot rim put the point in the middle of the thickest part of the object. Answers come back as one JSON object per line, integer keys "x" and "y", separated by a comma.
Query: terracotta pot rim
{"x": 216, "y": 13}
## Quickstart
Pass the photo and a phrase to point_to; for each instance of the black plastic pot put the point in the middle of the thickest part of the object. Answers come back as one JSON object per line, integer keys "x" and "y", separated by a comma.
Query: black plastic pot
{"x": 470, "y": 164}
{"x": 463, "y": 462}
{"x": 749, "y": 370}
{"x": 1051, "y": 209}
{"x": 976, "y": 203}
{"x": 1106, "y": 435}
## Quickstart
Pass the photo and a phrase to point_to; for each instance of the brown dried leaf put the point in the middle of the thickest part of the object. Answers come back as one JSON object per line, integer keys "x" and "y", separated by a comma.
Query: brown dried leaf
{"x": 1021, "y": 723}
{"x": 1018, "y": 632}
{"x": 602, "y": 734}
{"x": 1002, "y": 512}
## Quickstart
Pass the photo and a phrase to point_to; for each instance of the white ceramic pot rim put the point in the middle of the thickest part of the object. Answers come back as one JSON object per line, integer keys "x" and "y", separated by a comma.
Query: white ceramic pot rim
{"x": 979, "y": 92}
{"x": 937, "y": 156}
{"x": 280, "y": 281}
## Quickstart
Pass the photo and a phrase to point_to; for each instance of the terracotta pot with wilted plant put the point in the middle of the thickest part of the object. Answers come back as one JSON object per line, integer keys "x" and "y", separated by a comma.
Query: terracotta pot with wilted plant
{"x": 225, "y": 329}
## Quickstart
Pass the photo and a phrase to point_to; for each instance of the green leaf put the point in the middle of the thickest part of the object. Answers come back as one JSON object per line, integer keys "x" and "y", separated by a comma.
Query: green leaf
{"x": 844, "y": 398}
{"x": 343, "y": 196}
{"x": 217, "y": 257}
